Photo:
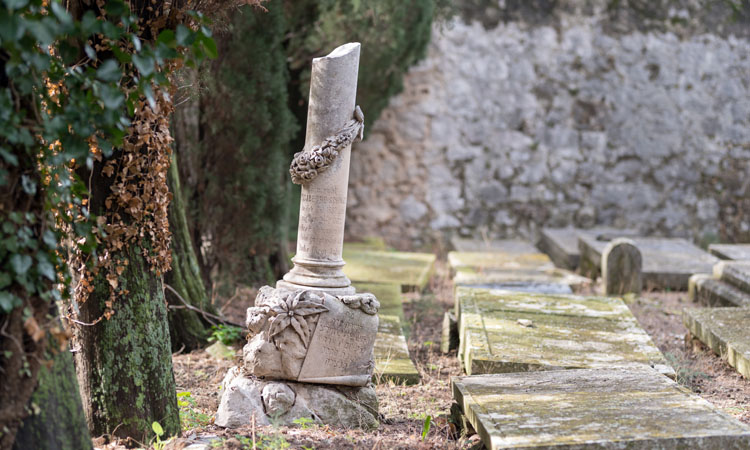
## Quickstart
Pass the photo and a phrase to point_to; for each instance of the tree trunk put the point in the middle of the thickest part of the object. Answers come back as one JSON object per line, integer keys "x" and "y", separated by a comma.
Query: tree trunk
{"x": 57, "y": 420}
{"x": 187, "y": 329}
{"x": 124, "y": 364}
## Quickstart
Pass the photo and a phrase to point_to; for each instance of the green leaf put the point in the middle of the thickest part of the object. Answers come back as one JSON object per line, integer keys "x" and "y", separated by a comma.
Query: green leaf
{"x": 9, "y": 157}
{"x": 184, "y": 36}
{"x": 29, "y": 185}
{"x": 62, "y": 15}
{"x": 15, "y": 4}
{"x": 20, "y": 263}
{"x": 49, "y": 238}
{"x": 426, "y": 426}
{"x": 4, "y": 280}
{"x": 157, "y": 428}
{"x": 144, "y": 64}
{"x": 9, "y": 301}
{"x": 109, "y": 71}
{"x": 45, "y": 268}
{"x": 166, "y": 37}
{"x": 210, "y": 46}
{"x": 149, "y": 93}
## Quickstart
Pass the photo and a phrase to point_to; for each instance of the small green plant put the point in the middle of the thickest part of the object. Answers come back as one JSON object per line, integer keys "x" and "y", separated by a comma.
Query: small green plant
{"x": 159, "y": 431}
{"x": 426, "y": 426}
{"x": 226, "y": 334}
{"x": 305, "y": 422}
{"x": 189, "y": 417}
{"x": 686, "y": 375}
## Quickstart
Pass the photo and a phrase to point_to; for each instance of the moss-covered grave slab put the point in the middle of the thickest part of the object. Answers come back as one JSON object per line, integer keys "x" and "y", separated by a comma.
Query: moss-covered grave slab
{"x": 599, "y": 409}
{"x": 392, "y": 361}
{"x": 467, "y": 276}
{"x": 668, "y": 263}
{"x": 736, "y": 273}
{"x": 488, "y": 261}
{"x": 411, "y": 271}
{"x": 737, "y": 252}
{"x": 503, "y": 331}
{"x": 725, "y": 330}
{"x": 708, "y": 290}
{"x": 389, "y": 295}
{"x": 497, "y": 245}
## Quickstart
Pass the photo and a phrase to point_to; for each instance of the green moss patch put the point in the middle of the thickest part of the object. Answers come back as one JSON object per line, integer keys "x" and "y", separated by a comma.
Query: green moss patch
{"x": 411, "y": 271}
{"x": 392, "y": 361}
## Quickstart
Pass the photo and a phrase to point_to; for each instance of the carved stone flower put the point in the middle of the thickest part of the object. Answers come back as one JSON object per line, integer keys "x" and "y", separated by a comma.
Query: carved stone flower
{"x": 294, "y": 311}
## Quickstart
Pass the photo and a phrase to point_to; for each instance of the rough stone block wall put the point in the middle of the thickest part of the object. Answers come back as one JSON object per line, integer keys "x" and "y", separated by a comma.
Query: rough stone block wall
{"x": 521, "y": 124}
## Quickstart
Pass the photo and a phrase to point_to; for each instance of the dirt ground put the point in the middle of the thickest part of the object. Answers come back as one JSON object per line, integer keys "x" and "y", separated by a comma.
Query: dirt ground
{"x": 405, "y": 409}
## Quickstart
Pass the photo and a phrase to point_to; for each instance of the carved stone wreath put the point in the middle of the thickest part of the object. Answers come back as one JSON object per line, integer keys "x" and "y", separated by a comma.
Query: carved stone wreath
{"x": 306, "y": 165}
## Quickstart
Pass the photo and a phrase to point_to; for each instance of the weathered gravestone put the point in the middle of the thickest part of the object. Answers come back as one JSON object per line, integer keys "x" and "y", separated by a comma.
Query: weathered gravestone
{"x": 593, "y": 409}
{"x": 736, "y": 273}
{"x": 668, "y": 263}
{"x": 708, "y": 290}
{"x": 724, "y": 330}
{"x": 738, "y": 252}
{"x": 621, "y": 267}
{"x": 313, "y": 327}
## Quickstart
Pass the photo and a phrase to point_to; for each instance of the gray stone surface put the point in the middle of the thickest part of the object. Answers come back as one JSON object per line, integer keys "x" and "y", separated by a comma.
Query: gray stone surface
{"x": 552, "y": 277}
{"x": 573, "y": 118}
{"x": 668, "y": 263}
{"x": 498, "y": 245}
{"x": 561, "y": 244}
{"x": 504, "y": 331}
{"x": 621, "y": 267}
{"x": 707, "y": 290}
{"x": 392, "y": 360}
{"x": 599, "y": 409}
{"x": 281, "y": 403}
{"x": 591, "y": 244}
{"x": 736, "y": 273}
{"x": 724, "y": 330}
{"x": 730, "y": 251}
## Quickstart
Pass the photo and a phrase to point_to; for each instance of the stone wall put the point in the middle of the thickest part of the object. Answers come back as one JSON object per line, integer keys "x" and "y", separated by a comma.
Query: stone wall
{"x": 575, "y": 119}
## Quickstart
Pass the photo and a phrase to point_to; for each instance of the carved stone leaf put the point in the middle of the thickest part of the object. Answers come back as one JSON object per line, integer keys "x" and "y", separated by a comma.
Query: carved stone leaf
{"x": 297, "y": 325}
{"x": 279, "y": 324}
{"x": 305, "y": 308}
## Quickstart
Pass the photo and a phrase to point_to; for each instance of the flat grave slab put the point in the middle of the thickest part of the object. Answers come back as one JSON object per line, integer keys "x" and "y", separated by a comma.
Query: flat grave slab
{"x": 725, "y": 330}
{"x": 411, "y": 271}
{"x": 498, "y": 245}
{"x": 706, "y": 289}
{"x": 668, "y": 263}
{"x": 586, "y": 409}
{"x": 467, "y": 276}
{"x": 504, "y": 331}
{"x": 486, "y": 261}
{"x": 561, "y": 244}
{"x": 737, "y": 252}
{"x": 392, "y": 361}
{"x": 736, "y": 273}
{"x": 389, "y": 295}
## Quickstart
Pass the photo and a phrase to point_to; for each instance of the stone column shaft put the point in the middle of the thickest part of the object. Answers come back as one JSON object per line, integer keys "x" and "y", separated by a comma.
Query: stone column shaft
{"x": 318, "y": 262}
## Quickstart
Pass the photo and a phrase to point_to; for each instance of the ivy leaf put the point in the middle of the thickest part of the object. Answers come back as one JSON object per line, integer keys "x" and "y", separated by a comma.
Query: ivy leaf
{"x": 8, "y": 301}
{"x": 9, "y": 157}
{"x": 49, "y": 238}
{"x": 15, "y": 4}
{"x": 184, "y": 36}
{"x": 4, "y": 280}
{"x": 20, "y": 263}
{"x": 149, "y": 93}
{"x": 46, "y": 268}
{"x": 144, "y": 64}
{"x": 29, "y": 185}
{"x": 109, "y": 71}
{"x": 210, "y": 46}
{"x": 62, "y": 15}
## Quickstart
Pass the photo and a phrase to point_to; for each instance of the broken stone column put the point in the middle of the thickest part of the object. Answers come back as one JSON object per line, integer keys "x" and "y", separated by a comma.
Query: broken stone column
{"x": 320, "y": 235}
{"x": 313, "y": 327}
{"x": 622, "y": 267}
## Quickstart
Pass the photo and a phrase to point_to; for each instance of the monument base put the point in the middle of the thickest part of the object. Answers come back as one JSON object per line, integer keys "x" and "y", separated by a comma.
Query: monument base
{"x": 284, "y": 402}
{"x": 349, "y": 290}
